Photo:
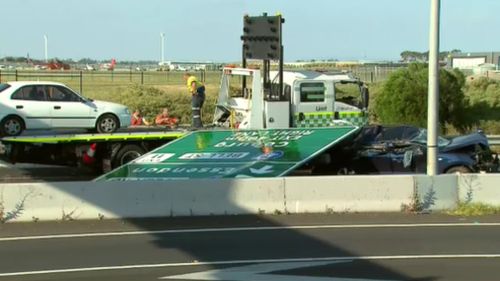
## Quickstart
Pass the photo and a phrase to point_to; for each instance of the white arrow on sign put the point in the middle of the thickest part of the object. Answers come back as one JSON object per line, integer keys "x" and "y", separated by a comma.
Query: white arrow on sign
{"x": 260, "y": 272}
{"x": 264, "y": 170}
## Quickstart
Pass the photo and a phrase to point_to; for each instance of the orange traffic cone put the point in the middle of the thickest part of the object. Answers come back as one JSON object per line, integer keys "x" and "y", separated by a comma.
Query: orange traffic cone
{"x": 89, "y": 156}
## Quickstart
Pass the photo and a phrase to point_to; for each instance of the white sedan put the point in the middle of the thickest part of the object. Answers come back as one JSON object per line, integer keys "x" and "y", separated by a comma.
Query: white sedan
{"x": 26, "y": 105}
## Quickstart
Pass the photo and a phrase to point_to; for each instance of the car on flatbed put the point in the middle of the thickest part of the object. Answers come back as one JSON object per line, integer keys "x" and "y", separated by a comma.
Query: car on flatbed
{"x": 27, "y": 105}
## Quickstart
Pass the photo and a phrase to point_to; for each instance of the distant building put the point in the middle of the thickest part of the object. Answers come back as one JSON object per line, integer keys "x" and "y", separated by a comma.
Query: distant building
{"x": 188, "y": 65}
{"x": 470, "y": 61}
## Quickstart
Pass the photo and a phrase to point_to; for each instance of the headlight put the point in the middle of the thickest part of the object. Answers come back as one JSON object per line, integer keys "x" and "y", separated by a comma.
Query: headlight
{"x": 127, "y": 111}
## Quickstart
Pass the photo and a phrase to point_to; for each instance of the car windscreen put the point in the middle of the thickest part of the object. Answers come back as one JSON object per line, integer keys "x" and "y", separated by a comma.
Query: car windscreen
{"x": 3, "y": 86}
{"x": 421, "y": 137}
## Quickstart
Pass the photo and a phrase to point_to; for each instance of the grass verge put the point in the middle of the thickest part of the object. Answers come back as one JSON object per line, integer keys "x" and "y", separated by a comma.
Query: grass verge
{"x": 474, "y": 209}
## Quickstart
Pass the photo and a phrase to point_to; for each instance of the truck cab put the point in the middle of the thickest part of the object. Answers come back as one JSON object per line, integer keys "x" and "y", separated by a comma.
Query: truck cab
{"x": 308, "y": 99}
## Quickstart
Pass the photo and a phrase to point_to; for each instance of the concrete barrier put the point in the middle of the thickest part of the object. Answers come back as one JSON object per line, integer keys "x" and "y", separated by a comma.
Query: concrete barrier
{"x": 348, "y": 193}
{"x": 479, "y": 188}
{"x": 131, "y": 199}
{"x": 437, "y": 192}
{"x": 97, "y": 200}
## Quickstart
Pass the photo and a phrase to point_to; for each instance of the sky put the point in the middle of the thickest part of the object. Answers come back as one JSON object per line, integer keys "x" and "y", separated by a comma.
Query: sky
{"x": 201, "y": 30}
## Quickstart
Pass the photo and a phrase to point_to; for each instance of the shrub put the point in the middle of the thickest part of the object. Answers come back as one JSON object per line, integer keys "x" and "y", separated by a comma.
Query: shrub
{"x": 403, "y": 98}
{"x": 151, "y": 101}
{"x": 484, "y": 98}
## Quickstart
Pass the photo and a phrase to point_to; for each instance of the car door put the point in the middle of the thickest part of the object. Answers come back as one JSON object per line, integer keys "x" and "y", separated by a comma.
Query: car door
{"x": 405, "y": 154}
{"x": 69, "y": 110}
{"x": 30, "y": 102}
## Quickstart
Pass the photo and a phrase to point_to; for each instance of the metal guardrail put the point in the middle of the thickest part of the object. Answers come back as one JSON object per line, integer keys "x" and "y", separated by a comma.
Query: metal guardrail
{"x": 494, "y": 139}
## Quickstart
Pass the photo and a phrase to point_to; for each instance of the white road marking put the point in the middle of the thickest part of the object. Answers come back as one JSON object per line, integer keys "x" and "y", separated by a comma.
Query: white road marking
{"x": 234, "y": 262}
{"x": 257, "y": 272}
{"x": 4, "y": 164}
{"x": 232, "y": 229}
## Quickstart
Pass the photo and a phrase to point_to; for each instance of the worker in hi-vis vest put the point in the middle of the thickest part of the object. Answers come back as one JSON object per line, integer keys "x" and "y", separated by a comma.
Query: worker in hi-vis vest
{"x": 197, "y": 91}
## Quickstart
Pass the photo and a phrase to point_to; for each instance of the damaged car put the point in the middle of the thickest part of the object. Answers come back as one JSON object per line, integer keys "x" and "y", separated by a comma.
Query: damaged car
{"x": 402, "y": 149}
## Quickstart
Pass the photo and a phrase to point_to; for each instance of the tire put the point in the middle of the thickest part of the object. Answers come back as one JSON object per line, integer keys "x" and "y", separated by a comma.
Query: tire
{"x": 345, "y": 172}
{"x": 126, "y": 154}
{"x": 108, "y": 123}
{"x": 459, "y": 169}
{"x": 11, "y": 126}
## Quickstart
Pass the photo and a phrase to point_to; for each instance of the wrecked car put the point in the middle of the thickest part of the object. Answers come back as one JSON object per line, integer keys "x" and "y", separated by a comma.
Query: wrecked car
{"x": 402, "y": 149}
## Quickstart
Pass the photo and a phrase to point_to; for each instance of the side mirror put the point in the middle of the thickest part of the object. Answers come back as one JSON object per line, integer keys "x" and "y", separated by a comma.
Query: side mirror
{"x": 407, "y": 158}
{"x": 302, "y": 117}
{"x": 365, "y": 96}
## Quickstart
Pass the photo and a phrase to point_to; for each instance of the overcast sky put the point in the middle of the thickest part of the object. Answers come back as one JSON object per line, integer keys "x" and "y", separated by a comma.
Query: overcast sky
{"x": 211, "y": 29}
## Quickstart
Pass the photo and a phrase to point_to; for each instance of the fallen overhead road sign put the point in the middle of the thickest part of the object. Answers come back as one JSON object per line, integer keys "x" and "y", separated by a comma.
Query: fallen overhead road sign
{"x": 232, "y": 154}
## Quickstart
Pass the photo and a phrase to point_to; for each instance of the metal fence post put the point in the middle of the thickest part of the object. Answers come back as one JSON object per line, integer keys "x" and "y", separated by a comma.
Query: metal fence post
{"x": 142, "y": 77}
{"x": 15, "y": 73}
{"x": 130, "y": 75}
{"x": 81, "y": 82}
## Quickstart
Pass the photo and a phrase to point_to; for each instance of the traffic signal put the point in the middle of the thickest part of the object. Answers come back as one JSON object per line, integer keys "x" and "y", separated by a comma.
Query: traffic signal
{"x": 262, "y": 37}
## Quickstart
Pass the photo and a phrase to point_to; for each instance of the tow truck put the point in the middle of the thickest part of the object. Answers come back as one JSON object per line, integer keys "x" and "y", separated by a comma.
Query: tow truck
{"x": 267, "y": 104}
{"x": 309, "y": 100}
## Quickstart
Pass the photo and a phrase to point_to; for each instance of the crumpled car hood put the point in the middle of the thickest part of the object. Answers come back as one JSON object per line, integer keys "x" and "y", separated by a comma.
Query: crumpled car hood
{"x": 467, "y": 140}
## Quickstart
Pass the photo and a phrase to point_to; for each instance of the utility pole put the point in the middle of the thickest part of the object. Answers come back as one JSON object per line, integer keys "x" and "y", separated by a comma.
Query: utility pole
{"x": 46, "y": 48}
{"x": 162, "y": 47}
{"x": 433, "y": 91}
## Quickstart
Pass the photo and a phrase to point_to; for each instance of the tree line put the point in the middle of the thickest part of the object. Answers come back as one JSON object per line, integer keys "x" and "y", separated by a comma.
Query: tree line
{"x": 412, "y": 56}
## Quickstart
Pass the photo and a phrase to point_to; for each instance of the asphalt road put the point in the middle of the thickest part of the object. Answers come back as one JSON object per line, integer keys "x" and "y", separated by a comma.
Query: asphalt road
{"x": 24, "y": 172}
{"x": 37, "y": 173}
{"x": 307, "y": 247}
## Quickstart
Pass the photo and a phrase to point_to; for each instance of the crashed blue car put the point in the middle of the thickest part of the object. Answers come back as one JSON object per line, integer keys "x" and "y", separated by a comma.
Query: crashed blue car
{"x": 402, "y": 149}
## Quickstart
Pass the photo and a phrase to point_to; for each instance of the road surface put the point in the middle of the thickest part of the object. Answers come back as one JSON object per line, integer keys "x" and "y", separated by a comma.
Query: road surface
{"x": 17, "y": 173}
{"x": 305, "y": 247}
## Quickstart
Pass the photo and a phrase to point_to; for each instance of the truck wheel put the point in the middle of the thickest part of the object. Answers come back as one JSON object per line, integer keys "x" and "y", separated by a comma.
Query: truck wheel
{"x": 459, "y": 169}
{"x": 11, "y": 126}
{"x": 107, "y": 123}
{"x": 126, "y": 154}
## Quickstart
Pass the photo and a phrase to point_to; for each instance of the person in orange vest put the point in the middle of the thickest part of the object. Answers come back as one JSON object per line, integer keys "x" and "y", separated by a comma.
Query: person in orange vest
{"x": 137, "y": 119}
{"x": 197, "y": 91}
{"x": 164, "y": 119}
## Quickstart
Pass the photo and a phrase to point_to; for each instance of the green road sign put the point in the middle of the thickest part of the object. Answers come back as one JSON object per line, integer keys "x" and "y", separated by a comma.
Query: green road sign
{"x": 232, "y": 154}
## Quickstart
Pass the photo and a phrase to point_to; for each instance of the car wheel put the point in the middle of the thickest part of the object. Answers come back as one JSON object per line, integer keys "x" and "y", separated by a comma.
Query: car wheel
{"x": 459, "y": 170}
{"x": 345, "y": 171}
{"x": 107, "y": 123}
{"x": 11, "y": 126}
{"x": 126, "y": 154}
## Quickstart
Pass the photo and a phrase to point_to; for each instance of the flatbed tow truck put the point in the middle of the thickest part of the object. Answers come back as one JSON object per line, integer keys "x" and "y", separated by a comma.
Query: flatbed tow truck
{"x": 109, "y": 150}
{"x": 276, "y": 121}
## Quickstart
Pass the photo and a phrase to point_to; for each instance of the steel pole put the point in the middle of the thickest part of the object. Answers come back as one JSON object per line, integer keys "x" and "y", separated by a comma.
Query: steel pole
{"x": 162, "y": 47}
{"x": 46, "y": 48}
{"x": 433, "y": 91}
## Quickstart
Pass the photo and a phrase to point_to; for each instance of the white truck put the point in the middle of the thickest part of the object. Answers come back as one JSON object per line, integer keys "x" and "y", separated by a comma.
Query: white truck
{"x": 309, "y": 99}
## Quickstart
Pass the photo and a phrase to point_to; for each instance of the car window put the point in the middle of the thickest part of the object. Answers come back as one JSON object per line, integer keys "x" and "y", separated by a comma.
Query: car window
{"x": 57, "y": 93}
{"x": 391, "y": 133}
{"x": 312, "y": 92}
{"x": 422, "y": 138}
{"x": 3, "y": 87}
{"x": 32, "y": 92}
